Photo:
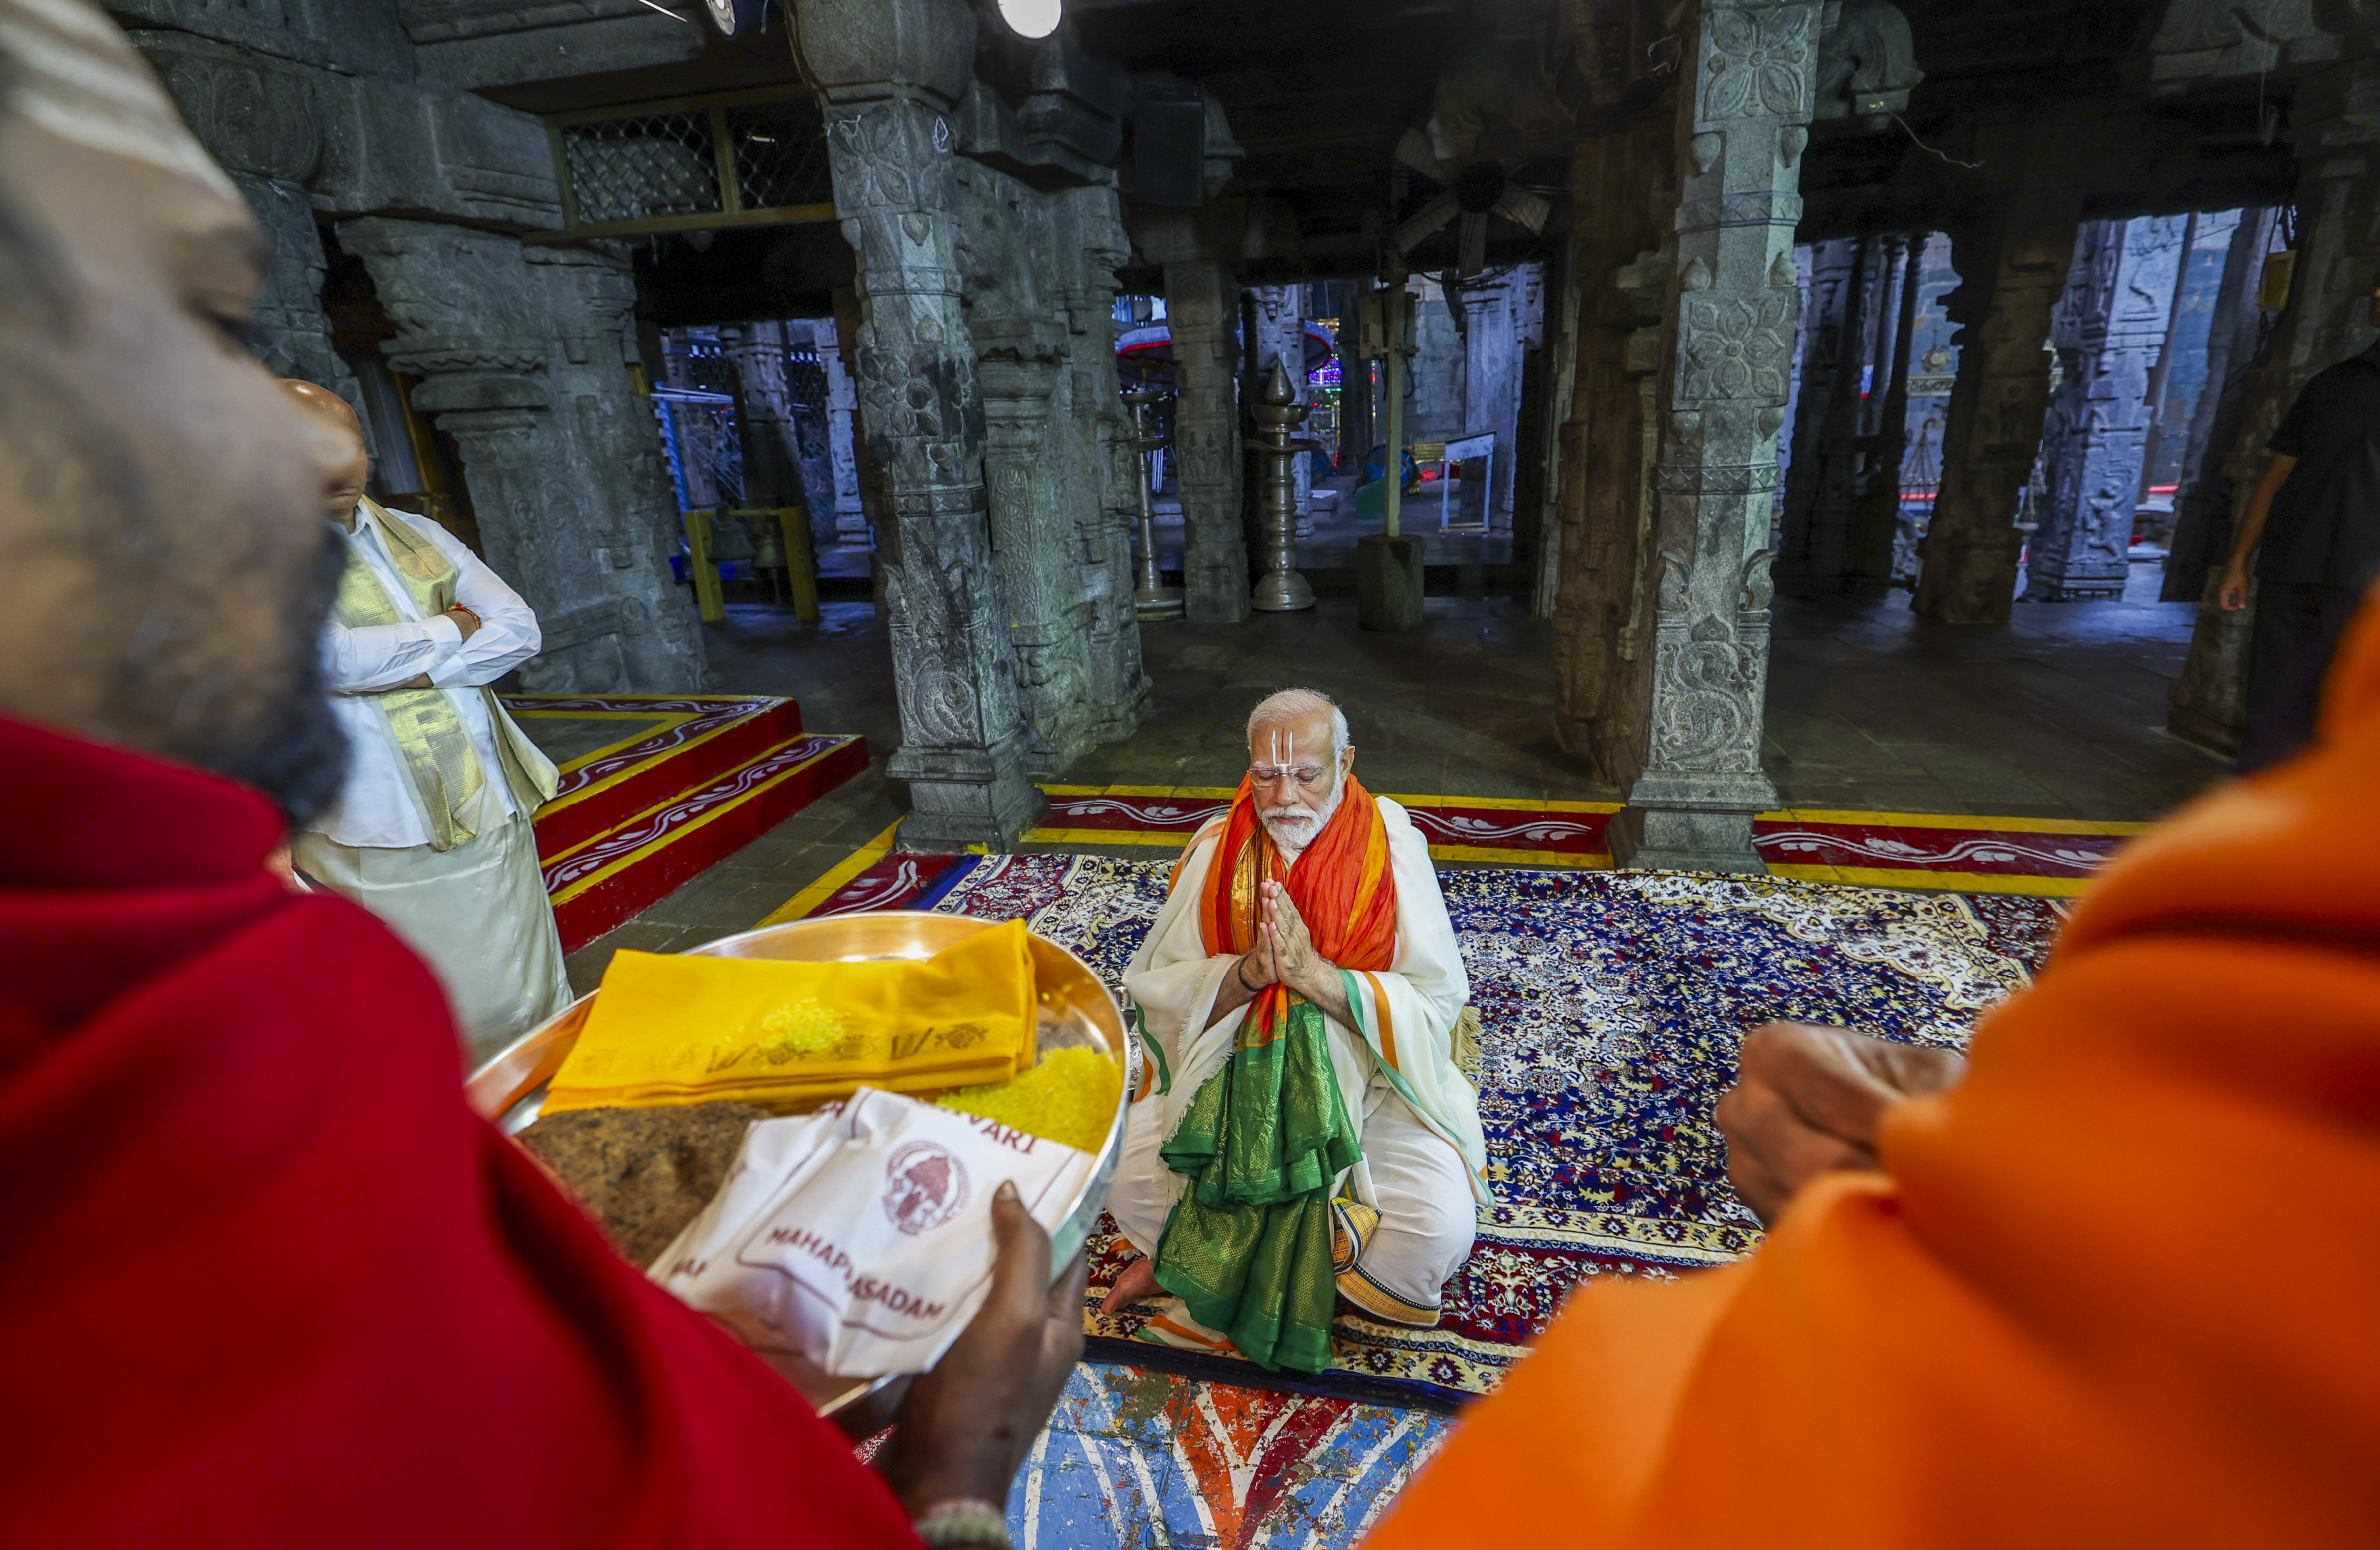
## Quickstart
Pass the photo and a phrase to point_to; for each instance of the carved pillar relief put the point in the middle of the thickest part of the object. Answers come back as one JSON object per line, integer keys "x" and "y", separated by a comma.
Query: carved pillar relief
{"x": 2108, "y": 333}
{"x": 1743, "y": 119}
{"x": 2012, "y": 257}
{"x": 523, "y": 356}
{"x": 1202, "y": 309}
{"x": 1089, "y": 222}
{"x": 965, "y": 739}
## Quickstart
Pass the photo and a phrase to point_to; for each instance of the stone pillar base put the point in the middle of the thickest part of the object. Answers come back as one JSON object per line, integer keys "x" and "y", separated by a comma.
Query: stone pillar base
{"x": 1690, "y": 822}
{"x": 1676, "y": 839}
{"x": 1388, "y": 581}
{"x": 964, "y": 798}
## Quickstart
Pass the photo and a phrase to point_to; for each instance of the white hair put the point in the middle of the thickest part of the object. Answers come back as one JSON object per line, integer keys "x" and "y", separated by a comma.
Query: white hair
{"x": 1296, "y": 704}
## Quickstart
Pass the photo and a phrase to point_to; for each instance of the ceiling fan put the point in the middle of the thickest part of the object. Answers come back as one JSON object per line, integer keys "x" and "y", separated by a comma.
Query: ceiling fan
{"x": 1473, "y": 191}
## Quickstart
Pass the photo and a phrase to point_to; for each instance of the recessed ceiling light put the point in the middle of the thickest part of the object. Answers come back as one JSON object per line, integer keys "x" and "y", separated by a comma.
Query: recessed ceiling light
{"x": 1030, "y": 18}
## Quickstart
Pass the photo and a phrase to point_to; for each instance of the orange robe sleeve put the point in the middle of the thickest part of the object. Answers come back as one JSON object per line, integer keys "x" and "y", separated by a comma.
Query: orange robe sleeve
{"x": 2120, "y": 1287}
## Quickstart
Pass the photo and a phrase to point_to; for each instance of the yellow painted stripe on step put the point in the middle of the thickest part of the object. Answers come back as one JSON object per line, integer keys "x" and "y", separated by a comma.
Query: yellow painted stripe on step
{"x": 1177, "y": 838}
{"x": 1952, "y": 882}
{"x": 1496, "y": 856}
{"x": 836, "y": 876}
{"x": 1960, "y": 820}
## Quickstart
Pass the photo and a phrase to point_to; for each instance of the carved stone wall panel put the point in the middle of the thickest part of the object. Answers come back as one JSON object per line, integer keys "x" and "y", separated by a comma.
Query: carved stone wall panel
{"x": 361, "y": 143}
{"x": 524, "y": 355}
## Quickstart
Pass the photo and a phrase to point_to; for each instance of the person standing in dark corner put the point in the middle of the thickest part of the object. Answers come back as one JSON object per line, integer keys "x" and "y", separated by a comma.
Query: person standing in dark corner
{"x": 2314, "y": 525}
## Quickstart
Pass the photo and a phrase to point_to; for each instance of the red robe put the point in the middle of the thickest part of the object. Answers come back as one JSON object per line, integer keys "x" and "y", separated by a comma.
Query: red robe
{"x": 265, "y": 1281}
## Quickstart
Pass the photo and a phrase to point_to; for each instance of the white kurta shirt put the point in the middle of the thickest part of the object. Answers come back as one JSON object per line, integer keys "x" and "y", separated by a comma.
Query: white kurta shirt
{"x": 376, "y": 805}
{"x": 1407, "y": 1011}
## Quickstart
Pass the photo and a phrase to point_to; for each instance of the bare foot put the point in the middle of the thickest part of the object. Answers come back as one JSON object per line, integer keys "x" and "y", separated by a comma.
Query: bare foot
{"x": 1138, "y": 1281}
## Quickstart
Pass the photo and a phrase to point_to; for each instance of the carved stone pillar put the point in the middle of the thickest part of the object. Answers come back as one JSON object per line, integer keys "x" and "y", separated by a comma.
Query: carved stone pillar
{"x": 842, "y": 435}
{"x": 2108, "y": 331}
{"x": 764, "y": 413}
{"x": 1837, "y": 338}
{"x": 1875, "y": 523}
{"x": 523, "y": 354}
{"x": 1493, "y": 339}
{"x": 1743, "y": 117}
{"x": 1280, "y": 336}
{"x": 2201, "y": 530}
{"x": 1088, "y": 224}
{"x": 2012, "y": 257}
{"x": 887, "y": 74}
{"x": 1604, "y": 502}
{"x": 2325, "y": 321}
{"x": 1202, "y": 308}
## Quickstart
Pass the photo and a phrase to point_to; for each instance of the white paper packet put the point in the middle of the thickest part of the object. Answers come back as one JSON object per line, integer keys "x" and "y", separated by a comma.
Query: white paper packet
{"x": 860, "y": 1236}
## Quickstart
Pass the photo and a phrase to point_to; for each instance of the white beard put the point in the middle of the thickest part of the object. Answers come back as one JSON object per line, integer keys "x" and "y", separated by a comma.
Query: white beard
{"x": 1290, "y": 836}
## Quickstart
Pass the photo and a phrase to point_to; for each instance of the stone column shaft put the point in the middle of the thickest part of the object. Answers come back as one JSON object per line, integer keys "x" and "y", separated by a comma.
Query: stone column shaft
{"x": 1743, "y": 119}
{"x": 2012, "y": 259}
{"x": 2112, "y": 323}
{"x": 965, "y": 740}
{"x": 1603, "y": 600}
{"x": 1202, "y": 309}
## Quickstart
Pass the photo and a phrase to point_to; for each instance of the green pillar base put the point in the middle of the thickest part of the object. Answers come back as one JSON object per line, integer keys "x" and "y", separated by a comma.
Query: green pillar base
{"x": 1388, "y": 581}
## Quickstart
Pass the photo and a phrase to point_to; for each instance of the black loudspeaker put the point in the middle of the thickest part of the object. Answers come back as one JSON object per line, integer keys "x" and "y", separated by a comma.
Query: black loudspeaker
{"x": 1168, "y": 151}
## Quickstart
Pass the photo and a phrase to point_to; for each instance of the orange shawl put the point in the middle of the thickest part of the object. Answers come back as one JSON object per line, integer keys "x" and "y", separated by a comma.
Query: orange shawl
{"x": 2120, "y": 1286}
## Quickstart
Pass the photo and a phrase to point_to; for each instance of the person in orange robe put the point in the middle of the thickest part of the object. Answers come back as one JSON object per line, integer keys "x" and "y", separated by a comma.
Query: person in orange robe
{"x": 2116, "y": 1284}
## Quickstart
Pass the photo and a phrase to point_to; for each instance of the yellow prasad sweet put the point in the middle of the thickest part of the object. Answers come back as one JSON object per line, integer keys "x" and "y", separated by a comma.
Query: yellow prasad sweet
{"x": 669, "y": 1029}
{"x": 1069, "y": 1098}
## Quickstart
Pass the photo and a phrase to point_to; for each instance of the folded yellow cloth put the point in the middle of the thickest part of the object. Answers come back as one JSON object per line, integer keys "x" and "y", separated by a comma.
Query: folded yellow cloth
{"x": 669, "y": 1029}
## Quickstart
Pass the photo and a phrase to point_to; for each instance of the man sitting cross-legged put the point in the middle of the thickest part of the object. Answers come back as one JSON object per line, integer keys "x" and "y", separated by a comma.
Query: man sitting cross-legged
{"x": 1302, "y": 1124}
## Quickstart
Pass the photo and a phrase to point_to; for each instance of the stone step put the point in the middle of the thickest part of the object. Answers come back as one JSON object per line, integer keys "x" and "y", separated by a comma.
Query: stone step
{"x": 697, "y": 778}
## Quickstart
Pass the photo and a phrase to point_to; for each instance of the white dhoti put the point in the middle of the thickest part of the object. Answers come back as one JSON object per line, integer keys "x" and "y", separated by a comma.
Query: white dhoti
{"x": 1425, "y": 1157}
{"x": 478, "y": 914}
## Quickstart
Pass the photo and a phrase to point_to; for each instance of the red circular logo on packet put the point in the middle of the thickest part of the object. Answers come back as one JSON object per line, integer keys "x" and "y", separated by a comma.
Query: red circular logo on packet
{"x": 924, "y": 1187}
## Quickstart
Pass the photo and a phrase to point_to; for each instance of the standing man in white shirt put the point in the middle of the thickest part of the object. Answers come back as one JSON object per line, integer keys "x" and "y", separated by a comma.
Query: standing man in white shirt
{"x": 431, "y": 829}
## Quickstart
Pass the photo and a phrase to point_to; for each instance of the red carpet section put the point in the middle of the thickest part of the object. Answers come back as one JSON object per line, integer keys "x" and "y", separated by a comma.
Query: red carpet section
{"x": 691, "y": 780}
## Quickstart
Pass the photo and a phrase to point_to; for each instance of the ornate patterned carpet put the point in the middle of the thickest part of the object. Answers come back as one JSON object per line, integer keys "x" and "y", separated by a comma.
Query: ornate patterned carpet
{"x": 1612, "y": 1004}
{"x": 1138, "y": 1456}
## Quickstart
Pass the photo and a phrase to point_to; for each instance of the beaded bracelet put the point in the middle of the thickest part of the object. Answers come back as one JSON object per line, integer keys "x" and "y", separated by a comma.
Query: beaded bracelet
{"x": 966, "y": 1521}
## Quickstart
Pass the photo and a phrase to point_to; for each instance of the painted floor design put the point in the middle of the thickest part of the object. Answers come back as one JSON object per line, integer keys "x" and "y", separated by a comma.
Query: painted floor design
{"x": 688, "y": 780}
{"x": 2051, "y": 857}
{"x": 1140, "y": 1457}
{"x": 1612, "y": 1004}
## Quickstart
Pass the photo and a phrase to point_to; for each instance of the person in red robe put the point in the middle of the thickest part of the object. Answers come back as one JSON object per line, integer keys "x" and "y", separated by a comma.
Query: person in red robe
{"x": 265, "y": 1279}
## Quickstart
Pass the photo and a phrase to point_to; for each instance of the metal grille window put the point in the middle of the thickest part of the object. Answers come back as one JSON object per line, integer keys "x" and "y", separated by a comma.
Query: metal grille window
{"x": 738, "y": 159}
